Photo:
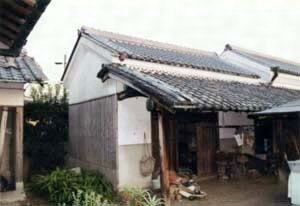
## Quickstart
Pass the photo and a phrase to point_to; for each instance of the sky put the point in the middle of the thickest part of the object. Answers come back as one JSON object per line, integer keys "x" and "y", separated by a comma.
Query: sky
{"x": 266, "y": 26}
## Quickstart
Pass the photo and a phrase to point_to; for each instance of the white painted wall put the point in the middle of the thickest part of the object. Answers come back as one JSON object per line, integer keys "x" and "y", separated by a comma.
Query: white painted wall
{"x": 133, "y": 121}
{"x": 287, "y": 81}
{"x": 129, "y": 166}
{"x": 11, "y": 94}
{"x": 81, "y": 78}
{"x": 282, "y": 80}
{"x": 232, "y": 119}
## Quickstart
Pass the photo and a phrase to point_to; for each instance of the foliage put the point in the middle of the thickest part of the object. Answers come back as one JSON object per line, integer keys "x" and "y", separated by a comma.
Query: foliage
{"x": 46, "y": 127}
{"x": 89, "y": 199}
{"x": 152, "y": 201}
{"x": 61, "y": 185}
{"x": 133, "y": 196}
{"x": 140, "y": 197}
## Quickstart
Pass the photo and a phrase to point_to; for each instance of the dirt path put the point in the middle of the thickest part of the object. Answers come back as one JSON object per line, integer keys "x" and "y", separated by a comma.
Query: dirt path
{"x": 265, "y": 191}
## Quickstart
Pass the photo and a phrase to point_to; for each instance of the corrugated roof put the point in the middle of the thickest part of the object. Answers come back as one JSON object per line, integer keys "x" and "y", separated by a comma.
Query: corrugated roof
{"x": 17, "y": 19}
{"x": 152, "y": 51}
{"x": 284, "y": 66}
{"x": 176, "y": 91}
{"x": 20, "y": 69}
{"x": 291, "y": 107}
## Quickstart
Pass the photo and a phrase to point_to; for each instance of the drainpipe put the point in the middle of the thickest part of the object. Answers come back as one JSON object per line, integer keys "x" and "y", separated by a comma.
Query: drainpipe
{"x": 275, "y": 75}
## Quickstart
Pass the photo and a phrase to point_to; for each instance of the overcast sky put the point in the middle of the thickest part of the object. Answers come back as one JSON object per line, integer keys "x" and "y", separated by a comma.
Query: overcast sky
{"x": 268, "y": 26}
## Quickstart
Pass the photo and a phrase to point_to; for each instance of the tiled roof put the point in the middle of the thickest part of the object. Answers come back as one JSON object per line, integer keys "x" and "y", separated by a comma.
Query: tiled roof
{"x": 284, "y": 66}
{"x": 152, "y": 51}
{"x": 177, "y": 91}
{"x": 291, "y": 107}
{"x": 20, "y": 69}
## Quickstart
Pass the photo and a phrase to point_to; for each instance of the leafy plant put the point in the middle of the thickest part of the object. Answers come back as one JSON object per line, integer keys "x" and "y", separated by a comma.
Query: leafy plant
{"x": 89, "y": 199}
{"x": 133, "y": 196}
{"x": 152, "y": 201}
{"x": 140, "y": 197}
{"x": 60, "y": 185}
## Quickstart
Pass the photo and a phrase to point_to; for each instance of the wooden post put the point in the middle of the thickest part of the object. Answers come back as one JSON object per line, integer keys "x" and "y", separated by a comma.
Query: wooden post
{"x": 3, "y": 131}
{"x": 19, "y": 148}
{"x": 164, "y": 160}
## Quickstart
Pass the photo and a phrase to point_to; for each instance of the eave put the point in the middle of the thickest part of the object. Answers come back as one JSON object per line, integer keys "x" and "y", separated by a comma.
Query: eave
{"x": 17, "y": 20}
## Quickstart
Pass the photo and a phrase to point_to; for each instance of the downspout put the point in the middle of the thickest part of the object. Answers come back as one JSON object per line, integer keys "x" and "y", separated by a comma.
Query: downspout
{"x": 275, "y": 75}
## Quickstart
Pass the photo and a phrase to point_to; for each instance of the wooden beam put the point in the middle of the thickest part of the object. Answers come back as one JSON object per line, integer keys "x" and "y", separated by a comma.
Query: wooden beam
{"x": 3, "y": 126}
{"x": 8, "y": 33}
{"x": 19, "y": 147}
{"x": 6, "y": 41}
{"x": 17, "y": 7}
{"x": 10, "y": 16}
{"x": 10, "y": 25}
{"x": 165, "y": 178}
{"x": 30, "y": 3}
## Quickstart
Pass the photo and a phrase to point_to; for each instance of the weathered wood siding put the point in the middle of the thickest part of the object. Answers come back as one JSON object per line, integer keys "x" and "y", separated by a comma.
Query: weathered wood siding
{"x": 93, "y": 136}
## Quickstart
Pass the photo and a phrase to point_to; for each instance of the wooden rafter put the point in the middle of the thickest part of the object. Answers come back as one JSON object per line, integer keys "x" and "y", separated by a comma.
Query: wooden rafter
{"x": 6, "y": 41}
{"x": 18, "y": 8}
{"x": 5, "y": 13}
{"x": 30, "y": 3}
{"x": 8, "y": 33}
{"x": 9, "y": 25}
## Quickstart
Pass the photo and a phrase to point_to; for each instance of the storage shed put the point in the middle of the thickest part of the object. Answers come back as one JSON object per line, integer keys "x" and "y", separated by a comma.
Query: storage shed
{"x": 184, "y": 101}
{"x": 14, "y": 74}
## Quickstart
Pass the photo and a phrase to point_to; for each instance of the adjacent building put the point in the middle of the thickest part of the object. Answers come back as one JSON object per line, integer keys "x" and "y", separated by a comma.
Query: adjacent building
{"x": 186, "y": 102}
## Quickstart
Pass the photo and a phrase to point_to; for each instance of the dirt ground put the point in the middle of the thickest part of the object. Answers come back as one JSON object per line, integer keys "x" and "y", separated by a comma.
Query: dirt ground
{"x": 263, "y": 191}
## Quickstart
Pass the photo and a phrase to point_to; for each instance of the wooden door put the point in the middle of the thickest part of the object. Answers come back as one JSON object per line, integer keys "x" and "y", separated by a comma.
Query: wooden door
{"x": 207, "y": 146}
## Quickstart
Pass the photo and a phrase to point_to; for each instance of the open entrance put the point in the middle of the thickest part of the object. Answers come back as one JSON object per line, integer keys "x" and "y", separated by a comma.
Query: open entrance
{"x": 191, "y": 142}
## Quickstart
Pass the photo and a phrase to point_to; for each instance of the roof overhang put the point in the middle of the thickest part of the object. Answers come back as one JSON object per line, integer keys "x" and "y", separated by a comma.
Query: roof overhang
{"x": 289, "y": 109}
{"x": 17, "y": 19}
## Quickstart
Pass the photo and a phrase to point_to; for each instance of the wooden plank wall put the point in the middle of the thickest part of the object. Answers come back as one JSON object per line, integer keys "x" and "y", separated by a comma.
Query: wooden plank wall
{"x": 93, "y": 136}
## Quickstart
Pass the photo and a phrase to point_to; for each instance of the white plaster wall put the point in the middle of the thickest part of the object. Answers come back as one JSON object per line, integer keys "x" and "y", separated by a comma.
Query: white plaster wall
{"x": 133, "y": 121}
{"x": 232, "y": 119}
{"x": 129, "y": 166}
{"x": 81, "y": 79}
{"x": 287, "y": 81}
{"x": 11, "y": 96}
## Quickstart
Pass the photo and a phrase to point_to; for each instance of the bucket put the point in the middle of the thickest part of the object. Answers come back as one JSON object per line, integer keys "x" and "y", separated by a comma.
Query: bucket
{"x": 294, "y": 165}
{"x": 156, "y": 184}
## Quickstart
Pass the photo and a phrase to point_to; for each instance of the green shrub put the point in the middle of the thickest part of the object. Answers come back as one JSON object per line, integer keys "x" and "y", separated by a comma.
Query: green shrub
{"x": 46, "y": 128}
{"x": 60, "y": 185}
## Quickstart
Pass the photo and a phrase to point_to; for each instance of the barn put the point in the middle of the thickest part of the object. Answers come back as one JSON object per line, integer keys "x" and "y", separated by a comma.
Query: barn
{"x": 129, "y": 95}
